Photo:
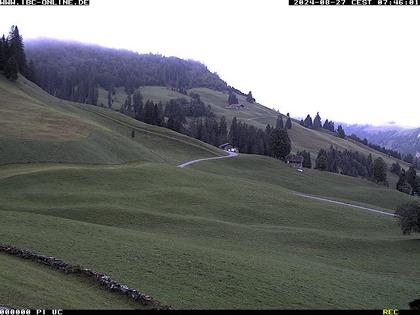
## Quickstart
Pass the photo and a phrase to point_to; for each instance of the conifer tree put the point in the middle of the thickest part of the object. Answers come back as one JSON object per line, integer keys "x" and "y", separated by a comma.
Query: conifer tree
{"x": 3, "y": 52}
{"x": 110, "y": 97}
{"x": 340, "y": 132}
{"x": 250, "y": 98}
{"x": 379, "y": 170}
{"x": 411, "y": 176}
{"x": 321, "y": 162}
{"x": 158, "y": 115}
{"x": 11, "y": 69}
{"x": 137, "y": 103}
{"x": 280, "y": 144}
{"x": 16, "y": 49}
{"x": 402, "y": 184}
{"x": 308, "y": 122}
{"x": 317, "y": 122}
{"x": 222, "y": 131}
{"x": 234, "y": 132}
{"x": 288, "y": 122}
{"x": 279, "y": 122}
{"x": 149, "y": 113}
{"x": 232, "y": 99}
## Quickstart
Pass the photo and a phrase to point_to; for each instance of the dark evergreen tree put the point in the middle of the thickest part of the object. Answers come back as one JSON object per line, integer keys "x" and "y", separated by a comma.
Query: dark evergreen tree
{"x": 317, "y": 124}
{"x": 149, "y": 114}
{"x": 110, "y": 97}
{"x": 408, "y": 216}
{"x": 11, "y": 69}
{"x": 402, "y": 184}
{"x": 279, "y": 122}
{"x": 307, "y": 163}
{"x": 395, "y": 169}
{"x": 308, "y": 122}
{"x": 234, "y": 132}
{"x": 280, "y": 144}
{"x": 288, "y": 122}
{"x": 321, "y": 161}
{"x": 31, "y": 72}
{"x": 379, "y": 170}
{"x": 369, "y": 166}
{"x": 232, "y": 99}
{"x": 158, "y": 115}
{"x": 267, "y": 137}
{"x": 16, "y": 49}
{"x": 340, "y": 132}
{"x": 3, "y": 52}
{"x": 222, "y": 131}
{"x": 411, "y": 176}
{"x": 137, "y": 103}
{"x": 250, "y": 98}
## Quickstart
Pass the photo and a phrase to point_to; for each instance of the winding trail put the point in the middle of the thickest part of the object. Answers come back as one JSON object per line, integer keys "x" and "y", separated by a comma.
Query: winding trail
{"x": 231, "y": 155}
{"x": 346, "y": 204}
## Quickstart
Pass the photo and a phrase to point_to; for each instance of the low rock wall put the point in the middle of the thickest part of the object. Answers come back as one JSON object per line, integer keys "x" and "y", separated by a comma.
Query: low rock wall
{"x": 98, "y": 277}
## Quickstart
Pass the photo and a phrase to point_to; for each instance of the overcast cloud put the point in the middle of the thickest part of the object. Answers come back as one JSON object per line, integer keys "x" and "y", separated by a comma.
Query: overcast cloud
{"x": 352, "y": 64}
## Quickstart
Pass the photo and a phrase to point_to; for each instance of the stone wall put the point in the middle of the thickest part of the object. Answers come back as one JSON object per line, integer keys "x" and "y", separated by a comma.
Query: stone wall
{"x": 145, "y": 300}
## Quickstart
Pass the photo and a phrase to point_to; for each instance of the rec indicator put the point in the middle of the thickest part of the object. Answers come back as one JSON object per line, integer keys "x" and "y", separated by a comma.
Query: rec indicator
{"x": 44, "y": 2}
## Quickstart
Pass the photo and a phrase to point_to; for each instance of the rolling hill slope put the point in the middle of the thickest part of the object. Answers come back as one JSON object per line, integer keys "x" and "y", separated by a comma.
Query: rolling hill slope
{"x": 259, "y": 116}
{"x": 36, "y": 127}
{"x": 219, "y": 234}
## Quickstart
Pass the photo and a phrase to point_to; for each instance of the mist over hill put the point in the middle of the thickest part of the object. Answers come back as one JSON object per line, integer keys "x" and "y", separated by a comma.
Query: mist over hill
{"x": 75, "y": 71}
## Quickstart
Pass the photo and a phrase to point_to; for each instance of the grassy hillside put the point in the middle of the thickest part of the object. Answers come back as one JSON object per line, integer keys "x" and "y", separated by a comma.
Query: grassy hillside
{"x": 255, "y": 114}
{"x": 27, "y": 284}
{"x": 221, "y": 234}
{"x": 36, "y": 127}
{"x": 199, "y": 240}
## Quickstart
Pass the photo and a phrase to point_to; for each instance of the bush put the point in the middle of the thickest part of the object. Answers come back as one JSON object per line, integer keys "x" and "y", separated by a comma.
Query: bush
{"x": 408, "y": 216}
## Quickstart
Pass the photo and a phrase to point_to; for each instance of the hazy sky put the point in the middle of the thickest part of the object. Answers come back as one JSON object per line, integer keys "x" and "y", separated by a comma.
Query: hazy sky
{"x": 352, "y": 64}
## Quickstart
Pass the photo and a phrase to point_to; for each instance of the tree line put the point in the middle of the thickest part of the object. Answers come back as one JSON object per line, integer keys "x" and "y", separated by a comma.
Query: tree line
{"x": 393, "y": 153}
{"x": 317, "y": 124}
{"x": 352, "y": 163}
{"x": 75, "y": 71}
{"x": 13, "y": 57}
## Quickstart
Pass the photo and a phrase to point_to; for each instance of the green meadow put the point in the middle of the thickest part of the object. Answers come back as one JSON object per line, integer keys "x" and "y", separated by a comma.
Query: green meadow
{"x": 228, "y": 233}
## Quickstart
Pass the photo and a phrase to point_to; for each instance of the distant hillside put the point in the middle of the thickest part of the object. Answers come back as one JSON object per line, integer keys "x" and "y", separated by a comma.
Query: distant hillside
{"x": 75, "y": 71}
{"x": 37, "y": 127}
{"x": 395, "y": 138}
{"x": 109, "y": 77}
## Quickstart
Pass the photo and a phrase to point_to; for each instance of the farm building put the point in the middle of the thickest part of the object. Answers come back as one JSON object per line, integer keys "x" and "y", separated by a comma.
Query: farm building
{"x": 295, "y": 160}
{"x": 228, "y": 147}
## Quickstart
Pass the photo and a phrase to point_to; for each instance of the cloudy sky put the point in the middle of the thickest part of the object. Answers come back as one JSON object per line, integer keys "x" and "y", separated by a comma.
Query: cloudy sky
{"x": 352, "y": 64}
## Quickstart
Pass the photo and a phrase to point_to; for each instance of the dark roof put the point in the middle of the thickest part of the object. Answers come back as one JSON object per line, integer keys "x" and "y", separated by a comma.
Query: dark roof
{"x": 225, "y": 145}
{"x": 295, "y": 159}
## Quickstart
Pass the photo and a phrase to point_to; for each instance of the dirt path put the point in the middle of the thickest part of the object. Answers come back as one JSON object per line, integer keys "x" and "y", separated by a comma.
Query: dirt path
{"x": 346, "y": 204}
{"x": 260, "y": 117}
{"x": 231, "y": 154}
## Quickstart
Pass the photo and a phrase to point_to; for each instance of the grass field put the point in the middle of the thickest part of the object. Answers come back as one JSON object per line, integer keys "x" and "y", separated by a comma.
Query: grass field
{"x": 259, "y": 116}
{"x": 26, "y": 284}
{"x": 229, "y": 233}
{"x": 46, "y": 129}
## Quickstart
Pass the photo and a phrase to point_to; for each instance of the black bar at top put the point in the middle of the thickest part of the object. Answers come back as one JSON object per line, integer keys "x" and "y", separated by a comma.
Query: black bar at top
{"x": 355, "y": 2}
{"x": 44, "y": 2}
